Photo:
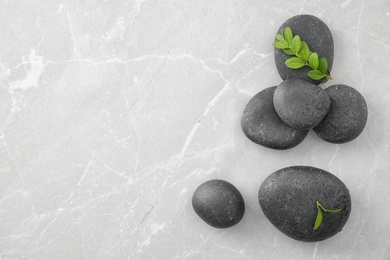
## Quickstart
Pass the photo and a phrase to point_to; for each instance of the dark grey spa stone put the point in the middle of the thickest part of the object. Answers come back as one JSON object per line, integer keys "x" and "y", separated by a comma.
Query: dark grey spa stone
{"x": 262, "y": 125}
{"x": 288, "y": 199}
{"x": 316, "y": 34}
{"x": 300, "y": 104}
{"x": 347, "y": 116}
{"x": 218, "y": 203}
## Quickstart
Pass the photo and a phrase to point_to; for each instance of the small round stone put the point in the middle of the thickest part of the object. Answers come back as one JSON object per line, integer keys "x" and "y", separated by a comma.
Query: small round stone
{"x": 347, "y": 116}
{"x": 288, "y": 198}
{"x": 218, "y": 203}
{"x": 301, "y": 104}
{"x": 262, "y": 125}
{"x": 318, "y": 37}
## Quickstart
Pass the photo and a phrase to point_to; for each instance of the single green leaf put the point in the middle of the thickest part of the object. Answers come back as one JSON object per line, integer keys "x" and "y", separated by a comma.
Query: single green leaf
{"x": 304, "y": 53}
{"x": 294, "y": 63}
{"x": 327, "y": 210}
{"x": 313, "y": 60}
{"x": 280, "y": 45}
{"x": 280, "y": 37}
{"x": 324, "y": 80}
{"x": 332, "y": 210}
{"x": 287, "y": 34}
{"x": 288, "y": 51}
{"x": 316, "y": 74}
{"x": 296, "y": 44}
{"x": 323, "y": 65}
{"x": 318, "y": 221}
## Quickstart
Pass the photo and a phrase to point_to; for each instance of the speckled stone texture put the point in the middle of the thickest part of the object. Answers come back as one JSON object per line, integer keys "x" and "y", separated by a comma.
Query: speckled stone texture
{"x": 261, "y": 124}
{"x": 318, "y": 37}
{"x": 347, "y": 116}
{"x": 300, "y": 104}
{"x": 288, "y": 199}
{"x": 218, "y": 203}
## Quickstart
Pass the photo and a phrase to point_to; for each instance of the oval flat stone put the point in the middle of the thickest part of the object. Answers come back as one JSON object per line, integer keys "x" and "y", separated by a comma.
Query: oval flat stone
{"x": 347, "y": 116}
{"x": 262, "y": 125}
{"x": 300, "y": 104}
{"x": 218, "y": 203}
{"x": 288, "y": 198}
{"x": 318, "y": 37}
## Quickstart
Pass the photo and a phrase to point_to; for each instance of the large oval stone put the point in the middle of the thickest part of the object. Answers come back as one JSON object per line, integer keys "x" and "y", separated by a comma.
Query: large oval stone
{"x": 261, "y": 124}
{"x": 288, "y": 198}
{"x": 347, "y": 116}
{"x": 316, "y": 34}
{"x": 301, "y": 104}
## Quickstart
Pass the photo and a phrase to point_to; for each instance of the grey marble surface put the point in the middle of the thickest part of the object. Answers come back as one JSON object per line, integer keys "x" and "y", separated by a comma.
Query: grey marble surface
{"x": 113, "y": 112}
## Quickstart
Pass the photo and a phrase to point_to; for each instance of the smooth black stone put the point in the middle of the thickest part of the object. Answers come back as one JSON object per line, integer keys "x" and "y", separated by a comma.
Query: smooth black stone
{"x": 347, "y": 116}
{"x": 218, "y": 203}
{"x": 261, "y": 124}
{"x": 319, "y": 38}
{"x": 288, "y": 199}
{"x": 300, "y": 104}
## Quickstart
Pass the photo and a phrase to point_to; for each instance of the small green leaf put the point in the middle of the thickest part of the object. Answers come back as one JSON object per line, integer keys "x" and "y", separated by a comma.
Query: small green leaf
{"x": 296, "y": 44}
{"x": 318, "y": 221}
{"x": 332, "y": 210}
{"x": 316, "y": 74}
{"x": 288, "y": 51}
{"x": 324, "y": 81}
{"x": 280, "y": 37}
{"x": 313, "y": 60}
{"x": 294, "y": 63}
{"x": 304, "y": 53}
{"x": 280, "y": 45}
{"x": 323, "y": 65}
{"x": 287, "y": 34}
{"x": 319, "y": 217}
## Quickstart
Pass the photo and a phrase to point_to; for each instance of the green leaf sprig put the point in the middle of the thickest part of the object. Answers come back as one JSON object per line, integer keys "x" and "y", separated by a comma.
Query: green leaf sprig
{"x": 320, "y": 208}
{"x": 293, "y": 45}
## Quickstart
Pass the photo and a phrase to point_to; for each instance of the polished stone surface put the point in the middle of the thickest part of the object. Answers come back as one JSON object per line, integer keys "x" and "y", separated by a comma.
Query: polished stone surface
{"x": 113, "y": 112}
